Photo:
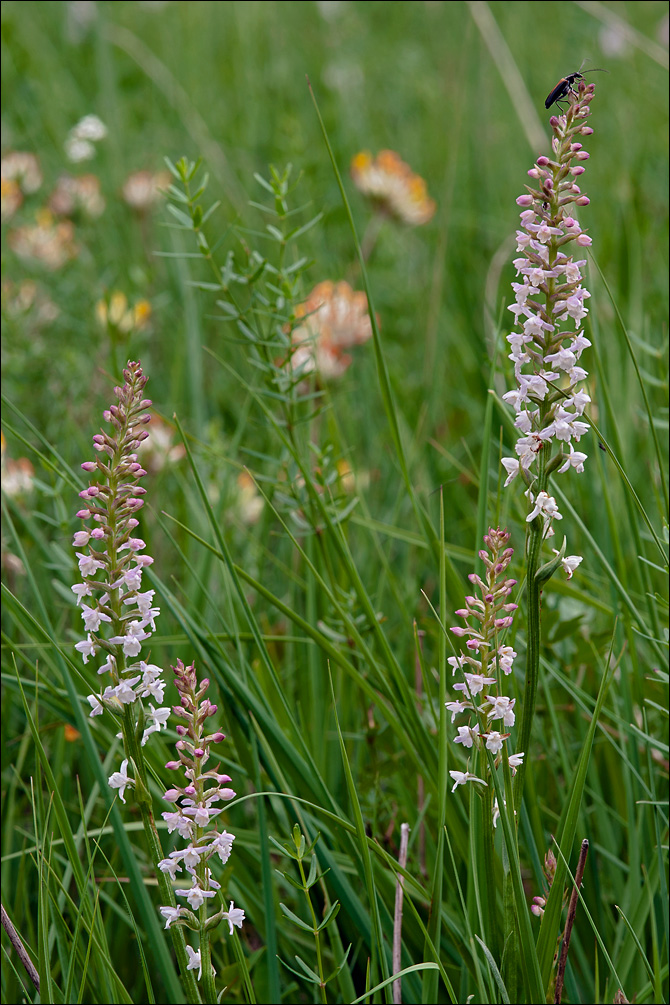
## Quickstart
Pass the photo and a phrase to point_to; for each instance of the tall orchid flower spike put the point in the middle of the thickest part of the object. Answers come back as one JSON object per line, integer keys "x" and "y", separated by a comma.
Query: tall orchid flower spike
{"x": 549, "y": 308}
{"x": 118, "y": 615}
{"x": 547, "y": 345}
{"x": 194, "y": 816}
{"x": 119, "y": 618}
{"x": 486, "y": 661}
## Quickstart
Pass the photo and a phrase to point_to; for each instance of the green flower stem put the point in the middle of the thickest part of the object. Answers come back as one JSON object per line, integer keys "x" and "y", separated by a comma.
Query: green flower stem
{"x": 133, "y": 749}
{"x": 534, "y": 595}
{"x": 493, "y": 933}
{"x": 319, "y": 961}
{"x": 372, "y": 232}
{"x": 208, "y": 985}
{"x": 204, "y": 937}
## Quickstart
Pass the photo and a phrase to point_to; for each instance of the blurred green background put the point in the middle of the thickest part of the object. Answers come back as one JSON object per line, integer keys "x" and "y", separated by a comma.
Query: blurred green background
{"x": 226, "y": 81}
{"x": 457, "y": 89}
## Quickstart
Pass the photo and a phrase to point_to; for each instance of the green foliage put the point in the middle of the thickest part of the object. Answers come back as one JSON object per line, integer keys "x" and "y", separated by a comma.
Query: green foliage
{"x": 304, "y": 557}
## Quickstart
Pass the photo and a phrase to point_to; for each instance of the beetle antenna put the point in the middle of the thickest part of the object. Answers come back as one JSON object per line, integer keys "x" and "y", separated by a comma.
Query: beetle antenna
{"x": 594, "y": 70}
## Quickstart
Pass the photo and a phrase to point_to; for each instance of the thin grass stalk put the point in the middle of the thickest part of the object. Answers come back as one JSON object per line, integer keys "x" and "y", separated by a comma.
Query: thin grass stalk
{"x": 643, "y": 389}
{"x": 429, "y": 989}
{"x": 378, "y": 960}
{"x": 266, "y": 876}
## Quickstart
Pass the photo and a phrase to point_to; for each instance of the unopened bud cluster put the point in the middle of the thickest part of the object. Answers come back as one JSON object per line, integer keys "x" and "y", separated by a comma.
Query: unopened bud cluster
{"x": 194, "y": 814}
{"x": 550, "y": 302}
{"x": 118, "y": 615}
{"x": 539, "y": 903}
{"x": 486, "y": 616}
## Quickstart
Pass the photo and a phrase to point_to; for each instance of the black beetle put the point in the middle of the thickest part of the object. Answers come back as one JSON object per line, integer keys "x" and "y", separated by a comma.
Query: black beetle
{"x": 564, "y": 86}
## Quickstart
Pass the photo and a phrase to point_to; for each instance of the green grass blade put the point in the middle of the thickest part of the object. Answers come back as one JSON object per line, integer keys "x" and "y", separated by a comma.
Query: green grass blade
{"x": 378, "y": 955}
{"x": 495, "y": 973}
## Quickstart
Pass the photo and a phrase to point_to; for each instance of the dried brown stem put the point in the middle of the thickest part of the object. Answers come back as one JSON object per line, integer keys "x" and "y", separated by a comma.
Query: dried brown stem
{"x": 572, "y": 910}
{"x": 397, "y": 918}
{"x": 16, "y": 941}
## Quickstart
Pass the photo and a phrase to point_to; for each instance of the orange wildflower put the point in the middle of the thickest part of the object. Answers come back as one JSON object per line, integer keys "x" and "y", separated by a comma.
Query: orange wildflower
{"x": 393, "y": 186}
{"x": 332, "y": 319}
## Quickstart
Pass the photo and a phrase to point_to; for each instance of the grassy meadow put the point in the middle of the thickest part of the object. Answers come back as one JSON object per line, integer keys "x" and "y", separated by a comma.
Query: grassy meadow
{"x": 312, "y": 540}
